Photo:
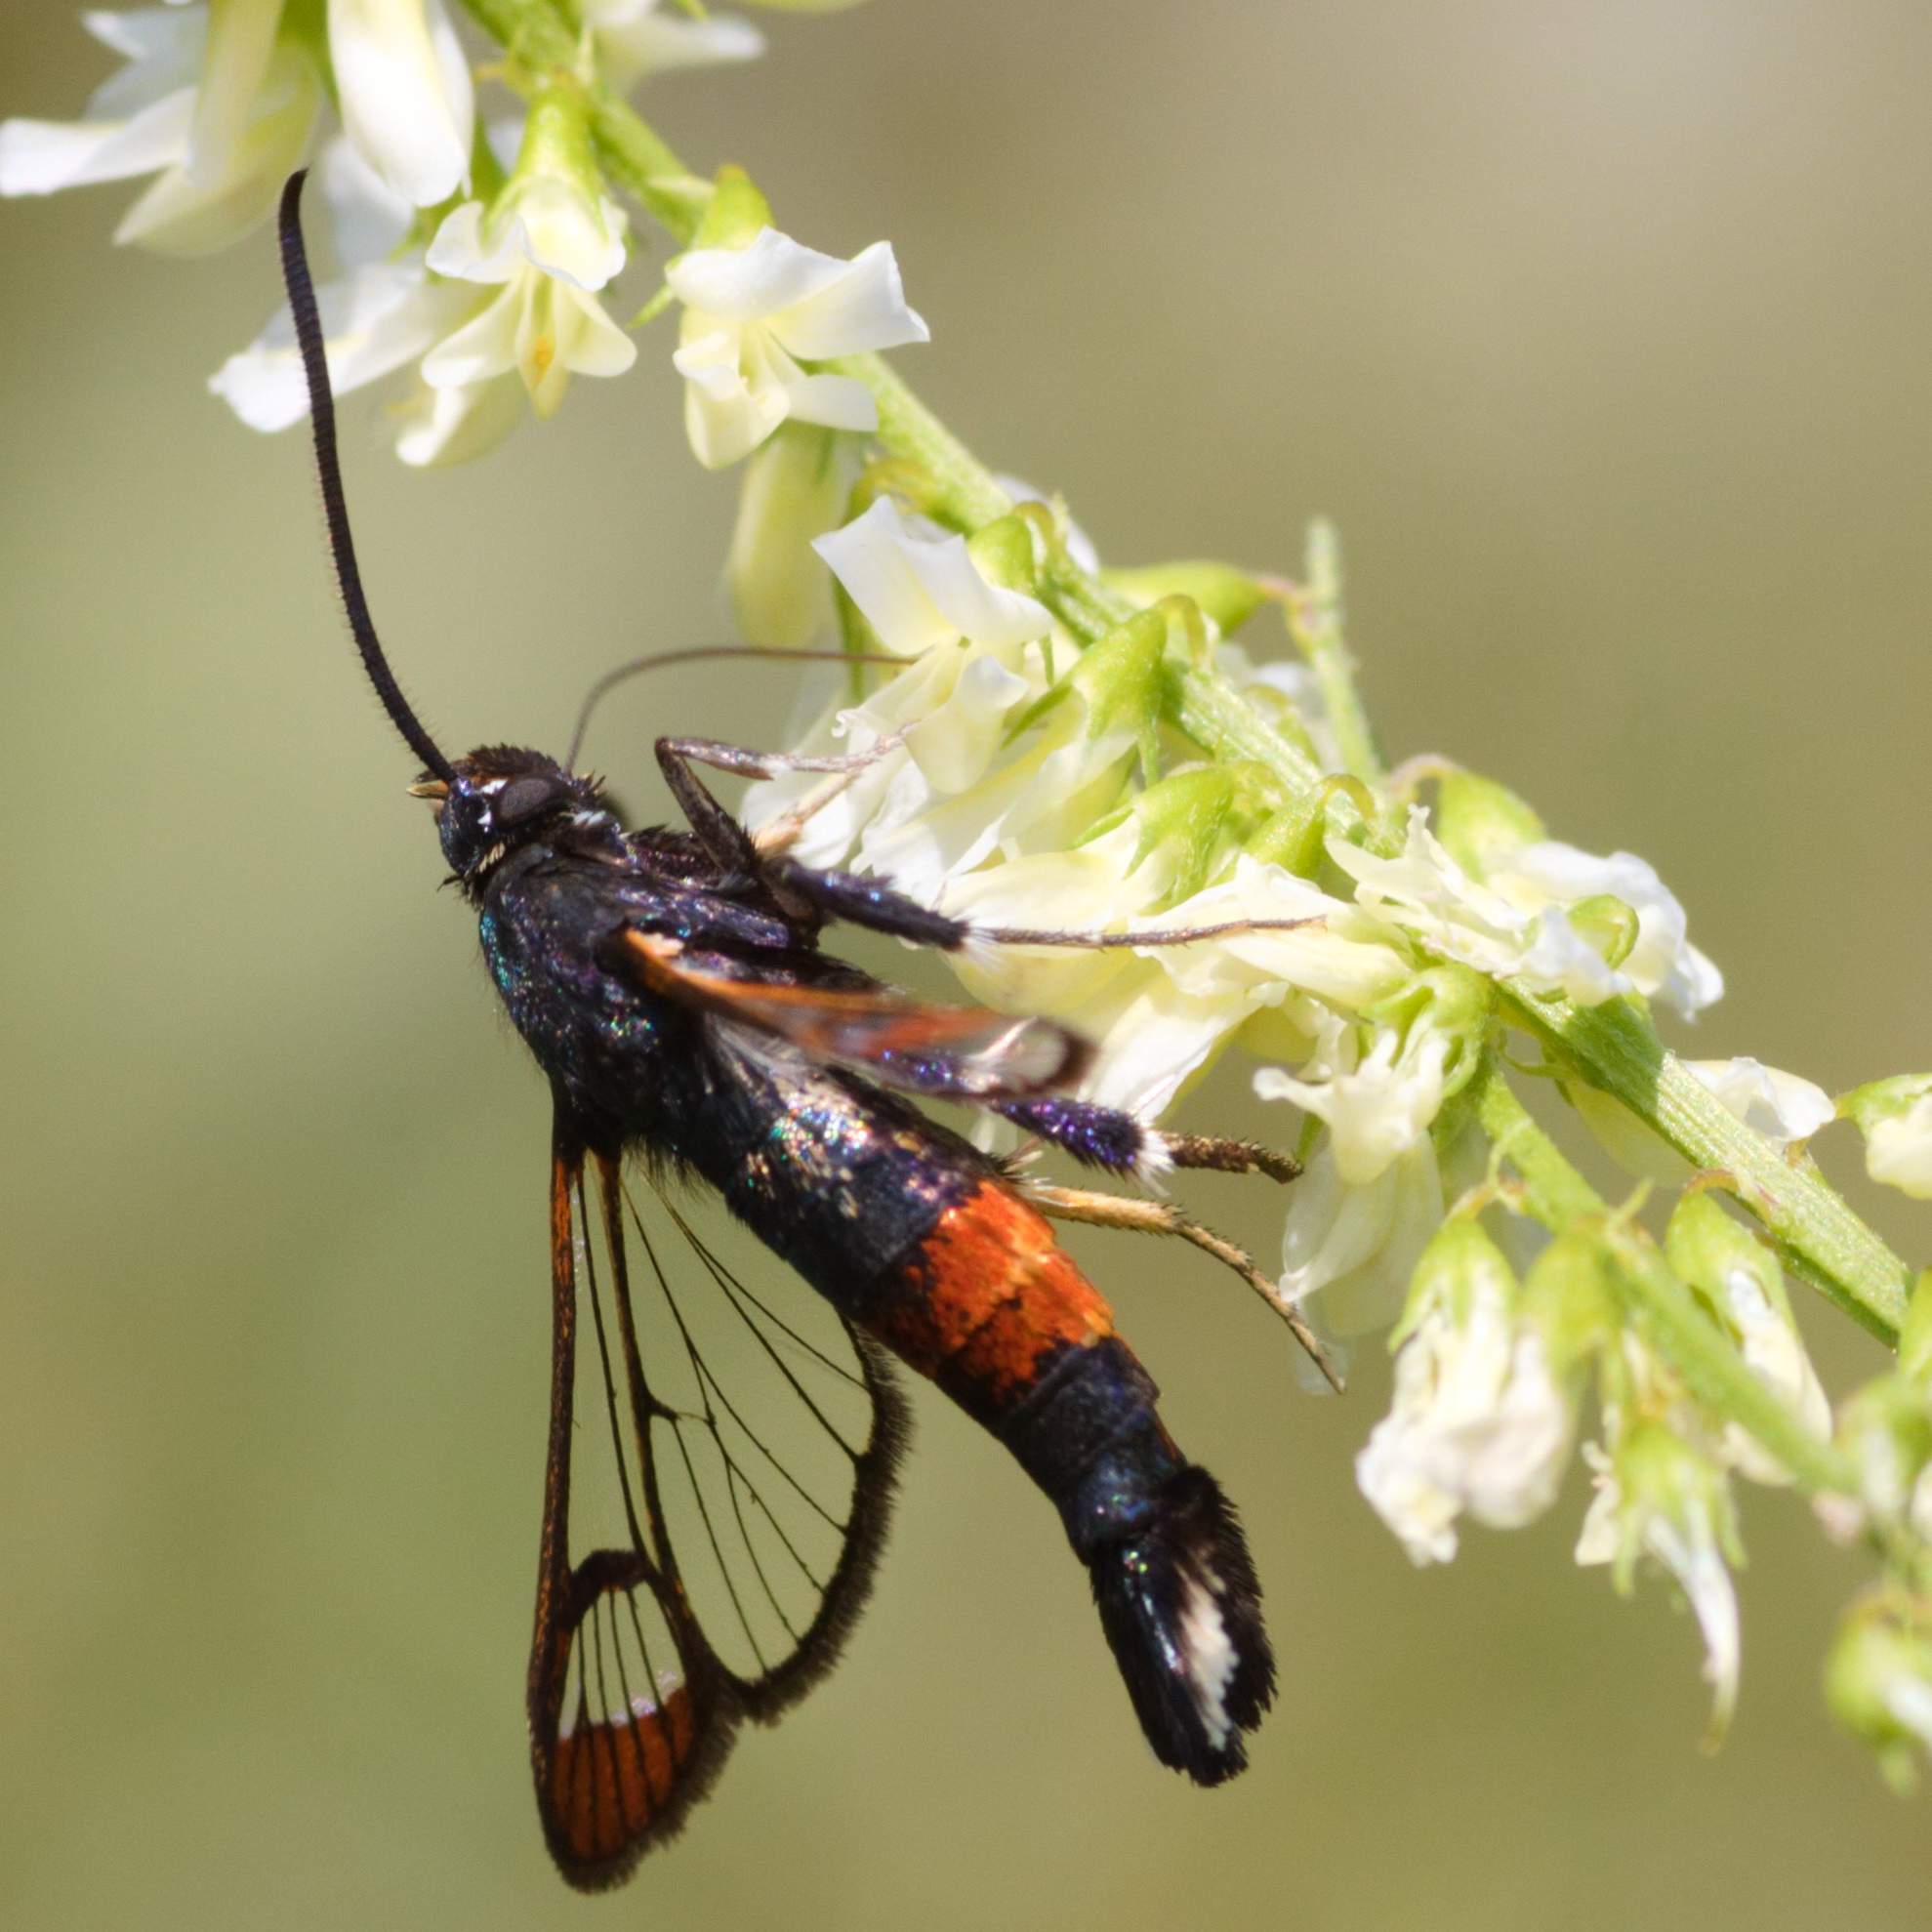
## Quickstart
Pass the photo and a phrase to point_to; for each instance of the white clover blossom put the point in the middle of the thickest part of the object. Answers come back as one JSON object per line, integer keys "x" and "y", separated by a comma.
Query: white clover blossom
{"x": 549, "y": 244}
{"x": 637, "y": 38}
{"x": 1519, "y": 920}
{"x": 752, "y": 315}
{"x": 1658, "y": 1496}
{"x": 406, "y": 98}
{"x": 1158, "y": 1016}
{"x": 1478, "y": 1422}
{"x": 1661, "y": 964}
{"x": 219, "y": 113}
{"x": 1377, "y": 1101}
{"x": 918, "y": 588}
{"x": 1356, "y": 1247}
{"x": 378, "y": 316}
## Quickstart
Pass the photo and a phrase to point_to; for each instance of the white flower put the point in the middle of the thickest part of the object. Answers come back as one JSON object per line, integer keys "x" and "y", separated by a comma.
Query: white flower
{"x": 1478, "y": 1422}
{"x": 917, "y": 591}
{"x": 1898, "y": 1149}
{"x": 1660, "y": 1498}
{"x": 753, "y": 314}
{"x": 1151, "y": 1033}
{"x": 1774, "y": 1351}
{"x": 1517, "y": 922}
{"x": 1356, "y": 1247}
{"x": 446, "y": 426}
{"x": 406, "y": 99}
{"x": 1781, "y": 1106}
{"x": 1376, "y": 1103}
{"x": 635, "y": 38}
{"x": 1335, "y": 956}
{"x": 378, "y": 316}
{"x": 1425, "y": 892}
{"x": 1662, "y": 963}
{"x": 549, "y": 245}
{"x": 219, "y": 115}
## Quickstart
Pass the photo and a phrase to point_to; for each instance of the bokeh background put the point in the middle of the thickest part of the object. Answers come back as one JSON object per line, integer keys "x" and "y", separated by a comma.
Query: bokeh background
{"x": 1601, "y": 331}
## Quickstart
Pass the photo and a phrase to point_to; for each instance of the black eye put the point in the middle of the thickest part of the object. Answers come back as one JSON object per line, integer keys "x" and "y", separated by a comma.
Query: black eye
{"x": 524, "y": 798}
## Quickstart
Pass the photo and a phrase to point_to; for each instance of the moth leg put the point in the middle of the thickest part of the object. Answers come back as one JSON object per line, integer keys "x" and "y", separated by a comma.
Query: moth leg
{"x": 723, "y": 836}
{"x": 1115, "y": 1141}
{"x": 1165, "y": 935}
{"x": 1097, "y": 1210}
{"x": 873, "y": 903}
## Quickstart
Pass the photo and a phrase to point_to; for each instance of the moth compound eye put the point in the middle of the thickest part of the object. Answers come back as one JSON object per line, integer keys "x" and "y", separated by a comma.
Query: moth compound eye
{"x": 524, "y": 799}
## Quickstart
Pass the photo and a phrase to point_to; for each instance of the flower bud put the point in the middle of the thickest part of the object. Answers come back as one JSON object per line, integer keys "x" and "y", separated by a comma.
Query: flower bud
{"x": 1895, "y": 1117}
{"x": 1879, "y": 1680}
{"x": 1739, "y": 1281}
{"x": 1228, "y": 597}
{"x": 1479, "y": 1420}
{"x": 1477, "y": 820}
{"x": 795, "y": 486}
{"x": 1661, "y": 1496}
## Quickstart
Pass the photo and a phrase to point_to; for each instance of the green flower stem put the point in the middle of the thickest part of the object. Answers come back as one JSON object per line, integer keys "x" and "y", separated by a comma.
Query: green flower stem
{"x": 1560, "y": 1198}
{"x": 1614, "y": 1048}
{"x": 1611, "y": 1047}
{"x": 1314, "y": 621}
{"x": 535, "y": 36}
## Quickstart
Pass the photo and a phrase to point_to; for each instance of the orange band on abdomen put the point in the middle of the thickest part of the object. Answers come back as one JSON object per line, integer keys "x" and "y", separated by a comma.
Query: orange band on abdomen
{"x": 988, "y": 1293}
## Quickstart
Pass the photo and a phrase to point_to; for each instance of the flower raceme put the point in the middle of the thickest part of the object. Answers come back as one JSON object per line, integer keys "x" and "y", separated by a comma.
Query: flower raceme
{"x": 1024, "y": 764}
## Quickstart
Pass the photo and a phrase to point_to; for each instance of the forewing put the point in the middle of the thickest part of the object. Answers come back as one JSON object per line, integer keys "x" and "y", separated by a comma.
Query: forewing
{"x": 945, "y": 1052}
{"x": 715, "y": 1497}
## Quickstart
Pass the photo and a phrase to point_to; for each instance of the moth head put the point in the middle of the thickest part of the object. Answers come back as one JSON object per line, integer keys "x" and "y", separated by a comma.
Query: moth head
{"x": 500, "y": 797}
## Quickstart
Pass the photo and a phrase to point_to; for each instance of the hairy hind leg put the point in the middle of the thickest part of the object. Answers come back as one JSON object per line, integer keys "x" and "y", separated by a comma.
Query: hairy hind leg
{"x": 1116, "y": 1142}
{"x": 1097, "y": 1210}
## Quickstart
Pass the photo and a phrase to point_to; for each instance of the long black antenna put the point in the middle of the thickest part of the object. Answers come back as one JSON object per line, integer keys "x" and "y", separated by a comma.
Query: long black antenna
{"x": 697, "y": 654}
{"x": 328, "y": 470}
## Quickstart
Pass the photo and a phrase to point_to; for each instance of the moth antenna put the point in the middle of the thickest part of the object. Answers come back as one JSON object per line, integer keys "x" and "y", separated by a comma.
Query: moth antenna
{"x": 301, "y": 288}
{"x": 698, "y": 653}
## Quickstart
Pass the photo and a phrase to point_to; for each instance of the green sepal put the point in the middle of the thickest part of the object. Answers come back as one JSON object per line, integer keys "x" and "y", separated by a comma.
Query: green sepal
{"x": 1606, "y": 926}
{"x": 1883, "y": 1099}
{"x": 1229, "y": 595}
{"x": 1186, "y": 813}
{"x": 1478, "y": 820}
{"x": 1705, "y": 1247}
{"x": 1448, "y": 999}
{"x": 1294, "y": 838}
{"x": 556, "y": 141}
{"x": 1568, "y": 1296}
{"x": 1122, "y": 682}
{"x": 735, "y": 211}
{"x": 1884, "y": 1643}
{"x": 1459, "y": 1266}
{"x": 1003, "y": 551}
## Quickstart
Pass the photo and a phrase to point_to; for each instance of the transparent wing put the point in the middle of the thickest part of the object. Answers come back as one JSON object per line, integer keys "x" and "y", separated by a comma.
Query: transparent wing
{"x": 715, "y": 1493}
{"x": 945, "y": 1052}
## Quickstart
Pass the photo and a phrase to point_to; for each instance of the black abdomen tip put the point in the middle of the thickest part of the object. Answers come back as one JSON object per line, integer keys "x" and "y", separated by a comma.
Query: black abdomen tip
{"x": 1181, "y": 1609}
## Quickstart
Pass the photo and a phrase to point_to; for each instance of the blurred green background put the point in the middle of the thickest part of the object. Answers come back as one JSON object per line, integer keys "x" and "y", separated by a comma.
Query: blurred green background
{"x": 1602, "y": 331}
